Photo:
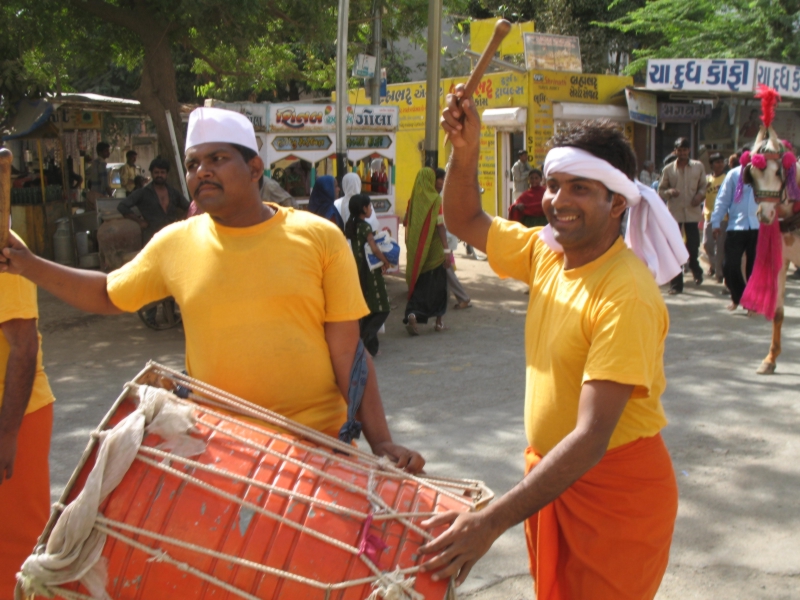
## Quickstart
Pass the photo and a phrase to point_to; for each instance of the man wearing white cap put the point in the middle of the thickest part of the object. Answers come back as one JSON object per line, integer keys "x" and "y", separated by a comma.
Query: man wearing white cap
{"x": 599, "y": 499}
{"x": 269, "y": 296}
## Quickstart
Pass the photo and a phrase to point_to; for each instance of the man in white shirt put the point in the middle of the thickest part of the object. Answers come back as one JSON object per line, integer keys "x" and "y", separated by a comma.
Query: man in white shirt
{"x": 519, "y": 173}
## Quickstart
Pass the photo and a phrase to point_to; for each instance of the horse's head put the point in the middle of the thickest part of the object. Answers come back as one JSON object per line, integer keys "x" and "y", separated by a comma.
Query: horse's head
{"x": 767, "y": 169}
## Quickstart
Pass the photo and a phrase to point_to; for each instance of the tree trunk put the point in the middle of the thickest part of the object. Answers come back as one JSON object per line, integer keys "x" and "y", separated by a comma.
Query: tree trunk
{"x": 158, "y": 93}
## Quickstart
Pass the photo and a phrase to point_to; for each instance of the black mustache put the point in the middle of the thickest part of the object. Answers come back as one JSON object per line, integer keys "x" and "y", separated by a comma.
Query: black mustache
{"x": 205, "y": 183}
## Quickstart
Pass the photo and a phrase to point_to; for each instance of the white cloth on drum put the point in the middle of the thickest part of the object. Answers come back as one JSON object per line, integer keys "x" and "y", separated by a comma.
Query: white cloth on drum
{"x": 651, "y": 233}
{"x": 74, "y": 547}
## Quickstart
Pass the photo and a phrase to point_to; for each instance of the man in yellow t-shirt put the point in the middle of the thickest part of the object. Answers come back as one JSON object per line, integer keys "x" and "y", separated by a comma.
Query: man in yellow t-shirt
{"x": 600, "y": 494}
{"x": 269, "y": 296}
{"x": 715, "y": 248}
{"x": 26, "y": 421}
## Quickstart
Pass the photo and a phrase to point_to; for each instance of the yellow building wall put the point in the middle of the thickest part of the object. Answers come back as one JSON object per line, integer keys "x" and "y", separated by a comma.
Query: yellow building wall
{"x": 480, "y": 32}
{"x": 537, "y": 90}
{"x": 547, "y": 87}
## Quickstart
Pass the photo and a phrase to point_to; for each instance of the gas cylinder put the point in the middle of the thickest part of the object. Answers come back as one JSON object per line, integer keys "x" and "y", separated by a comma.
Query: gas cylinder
{"x": 62, "y": 244}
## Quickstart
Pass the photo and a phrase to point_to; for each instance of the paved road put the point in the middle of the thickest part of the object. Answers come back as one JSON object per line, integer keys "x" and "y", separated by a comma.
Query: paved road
{"x": 457, "y": 397}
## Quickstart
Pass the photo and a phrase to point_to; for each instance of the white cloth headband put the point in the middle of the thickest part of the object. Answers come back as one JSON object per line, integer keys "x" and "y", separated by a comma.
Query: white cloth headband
{"x": 652, "y": 232}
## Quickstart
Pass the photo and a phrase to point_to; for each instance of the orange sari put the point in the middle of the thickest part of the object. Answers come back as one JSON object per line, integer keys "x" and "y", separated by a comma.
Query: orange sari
{"x": 607, "y": 537}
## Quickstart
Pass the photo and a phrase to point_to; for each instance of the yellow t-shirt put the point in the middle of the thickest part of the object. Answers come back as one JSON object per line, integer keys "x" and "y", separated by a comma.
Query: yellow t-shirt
{"x": 714, "y": 183}
{"x": 605, "y": 320}
{"x": 254, "y": 303}
{"x": 18, "y": 301}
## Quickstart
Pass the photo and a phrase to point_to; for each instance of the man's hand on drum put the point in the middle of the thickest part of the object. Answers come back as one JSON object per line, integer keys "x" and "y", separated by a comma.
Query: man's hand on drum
{"x": 15, "y": 257}
{"x": 460, "y": 120}
{"x": 403, "y": 458}
{"x": 456, "y": 551}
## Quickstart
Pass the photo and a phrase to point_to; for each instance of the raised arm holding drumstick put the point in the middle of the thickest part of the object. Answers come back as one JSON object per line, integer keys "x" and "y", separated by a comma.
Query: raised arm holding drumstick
{"x": 600, "y": 492}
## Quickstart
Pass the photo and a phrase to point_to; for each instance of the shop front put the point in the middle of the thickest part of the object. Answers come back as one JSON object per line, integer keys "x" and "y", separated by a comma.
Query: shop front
{"x": 300, "y": 145}
{"x": 711, "y": 102}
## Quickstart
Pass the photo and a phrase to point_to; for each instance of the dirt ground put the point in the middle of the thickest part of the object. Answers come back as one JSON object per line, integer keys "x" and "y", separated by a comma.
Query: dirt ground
{"x": 456, "y": 396}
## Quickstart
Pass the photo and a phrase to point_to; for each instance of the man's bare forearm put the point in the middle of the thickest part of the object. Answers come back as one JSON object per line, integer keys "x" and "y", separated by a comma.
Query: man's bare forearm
{"x": 563, "y": 466}
{"x": 462, "y": 199}
{"x": 371, "y": 413}
{"x": 82, "y": 289}
{"x": 19, "y": 377}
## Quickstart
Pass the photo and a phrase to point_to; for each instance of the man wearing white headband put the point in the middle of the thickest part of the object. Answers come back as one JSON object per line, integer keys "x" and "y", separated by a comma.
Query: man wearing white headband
{"x": 269, "y": 296}
{"x": 599, "y": 499}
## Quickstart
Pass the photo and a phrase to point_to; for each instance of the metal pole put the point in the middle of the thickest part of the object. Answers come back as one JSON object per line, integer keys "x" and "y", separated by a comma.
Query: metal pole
{"x": 376, "y": 50}
{"x": 433, "y": 82}
{"x": 341, "y": 91}
{"x": 178, "y": 160}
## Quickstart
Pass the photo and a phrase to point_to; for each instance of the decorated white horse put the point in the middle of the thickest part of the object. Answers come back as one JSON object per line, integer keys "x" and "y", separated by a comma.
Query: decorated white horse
{"x": 772, "y": 170}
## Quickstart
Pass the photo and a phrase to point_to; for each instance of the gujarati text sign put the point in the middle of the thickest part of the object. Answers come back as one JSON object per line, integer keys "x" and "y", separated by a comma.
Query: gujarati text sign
{"x": 722, "y": 75}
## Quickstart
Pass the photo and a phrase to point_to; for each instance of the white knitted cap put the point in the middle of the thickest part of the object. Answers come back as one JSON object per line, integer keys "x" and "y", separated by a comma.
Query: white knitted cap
{"x": 208, "y": 125}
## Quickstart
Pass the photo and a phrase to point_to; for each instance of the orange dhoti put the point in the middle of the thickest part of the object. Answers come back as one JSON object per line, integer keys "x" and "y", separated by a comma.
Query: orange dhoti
{"x": 25, "y": 498}
{"x": 607, "y": 537}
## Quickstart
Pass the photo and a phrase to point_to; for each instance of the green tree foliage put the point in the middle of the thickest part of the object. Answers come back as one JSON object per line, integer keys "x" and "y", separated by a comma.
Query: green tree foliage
{"x": 767, "y": 29}
{"x": 163, "y": 52}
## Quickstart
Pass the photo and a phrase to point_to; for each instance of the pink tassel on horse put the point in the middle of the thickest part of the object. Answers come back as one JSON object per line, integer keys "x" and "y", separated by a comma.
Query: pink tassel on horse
{"x": 761, "y": 293}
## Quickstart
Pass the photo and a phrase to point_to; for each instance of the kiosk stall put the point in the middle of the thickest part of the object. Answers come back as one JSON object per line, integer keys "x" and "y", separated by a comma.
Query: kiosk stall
{"x": 301, "y": 145}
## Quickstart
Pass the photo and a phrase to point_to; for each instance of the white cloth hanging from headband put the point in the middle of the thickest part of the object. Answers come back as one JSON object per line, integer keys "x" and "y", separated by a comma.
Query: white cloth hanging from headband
{"x": 652, "y": 233}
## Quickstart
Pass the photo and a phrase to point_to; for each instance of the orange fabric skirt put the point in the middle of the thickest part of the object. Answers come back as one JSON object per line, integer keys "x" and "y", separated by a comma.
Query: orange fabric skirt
{"x": 607, "y": 537}
{"x": 25, "y": 498}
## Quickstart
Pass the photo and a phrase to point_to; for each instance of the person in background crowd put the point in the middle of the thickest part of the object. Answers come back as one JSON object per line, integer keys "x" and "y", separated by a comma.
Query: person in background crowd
{"x": 26, "y": 423}
{"x": 379, "y": 179}
{"x": 648, "y": 175}
{"x": 159, "y": 204}
{"x": 358, "y": 230}
{"x": 97, "y": 175}
{"x": 128, "y": 172}
{"x": 138, "y": 182}
{"x": 453, "y": 284}
{"x": 321, "y": 201}
{"x": 733, "y": 161}
{"x": 351, "y": 185}
{"x": 714, "y": 246}
{"x": 741, "y": 235}
{"x": 427, "y": 250}
{"x": 271, "y": 191}
{"x": 683, "y": 188}
{"x": 528, "y": 207}
{"x": 519, "y": 173}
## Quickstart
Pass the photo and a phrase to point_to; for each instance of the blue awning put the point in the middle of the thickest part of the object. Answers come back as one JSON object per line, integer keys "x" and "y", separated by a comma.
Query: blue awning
{"x": 31, "y": 115}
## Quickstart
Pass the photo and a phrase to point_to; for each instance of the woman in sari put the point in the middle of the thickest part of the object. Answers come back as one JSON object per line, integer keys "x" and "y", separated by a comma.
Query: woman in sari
{"x": 426, "y": 246}
{"x": 321, "y": 201}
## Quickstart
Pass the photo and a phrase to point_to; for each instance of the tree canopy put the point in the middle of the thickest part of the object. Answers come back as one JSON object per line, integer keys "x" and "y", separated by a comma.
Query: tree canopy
{"x": 164, "y": 52}
{"x": 766, "y": 29}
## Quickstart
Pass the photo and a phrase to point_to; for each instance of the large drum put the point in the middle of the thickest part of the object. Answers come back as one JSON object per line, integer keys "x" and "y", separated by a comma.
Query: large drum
{"x": 188, "y": 492}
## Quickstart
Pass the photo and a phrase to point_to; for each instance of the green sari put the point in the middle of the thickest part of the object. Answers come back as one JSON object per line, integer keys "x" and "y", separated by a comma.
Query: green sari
{"x": 424, "y": 250}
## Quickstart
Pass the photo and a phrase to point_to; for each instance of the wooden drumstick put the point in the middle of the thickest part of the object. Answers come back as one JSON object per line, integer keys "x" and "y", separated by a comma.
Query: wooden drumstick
{"x": 501, "y": 29}
{"x": 5, "y": 195}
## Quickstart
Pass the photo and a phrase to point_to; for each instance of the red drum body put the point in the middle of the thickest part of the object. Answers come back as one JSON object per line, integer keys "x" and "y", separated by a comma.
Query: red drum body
{"x": 261, "y": 514}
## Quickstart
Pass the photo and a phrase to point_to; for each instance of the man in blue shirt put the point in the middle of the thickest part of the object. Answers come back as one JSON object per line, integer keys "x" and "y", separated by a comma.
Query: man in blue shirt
{"x": 742, "y": 232}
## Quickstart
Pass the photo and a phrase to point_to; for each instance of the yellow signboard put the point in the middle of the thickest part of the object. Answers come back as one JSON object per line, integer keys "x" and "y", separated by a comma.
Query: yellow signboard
{"x": 556, "y": 86}
{"x": 536, "y": 90}
{"x": 480, "y": 32}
